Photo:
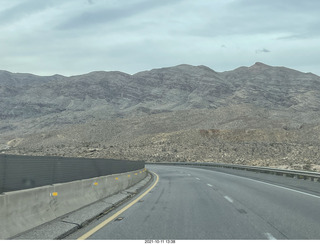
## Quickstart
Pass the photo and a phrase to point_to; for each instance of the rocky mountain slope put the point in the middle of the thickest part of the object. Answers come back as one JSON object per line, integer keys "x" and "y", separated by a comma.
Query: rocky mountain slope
{"x": 259, "y": 115}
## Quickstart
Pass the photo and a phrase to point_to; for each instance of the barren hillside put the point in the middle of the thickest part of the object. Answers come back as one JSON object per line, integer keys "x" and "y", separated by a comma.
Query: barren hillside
{"x": 258, "y": 115}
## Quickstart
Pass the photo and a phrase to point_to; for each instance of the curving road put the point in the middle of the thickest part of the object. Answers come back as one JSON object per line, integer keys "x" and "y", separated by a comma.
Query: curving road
{"x": 197, "y": 203}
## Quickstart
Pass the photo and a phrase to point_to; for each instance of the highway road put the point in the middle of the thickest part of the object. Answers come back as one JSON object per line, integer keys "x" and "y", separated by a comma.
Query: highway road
{"x": 197, "y": 203}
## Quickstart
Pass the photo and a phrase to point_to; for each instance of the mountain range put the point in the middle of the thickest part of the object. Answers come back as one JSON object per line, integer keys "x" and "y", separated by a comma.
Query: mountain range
{"x": 114, "y": 114}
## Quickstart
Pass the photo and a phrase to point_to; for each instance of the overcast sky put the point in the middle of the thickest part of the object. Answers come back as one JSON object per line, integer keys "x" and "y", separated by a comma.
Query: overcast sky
{"x": 68, "y": 37}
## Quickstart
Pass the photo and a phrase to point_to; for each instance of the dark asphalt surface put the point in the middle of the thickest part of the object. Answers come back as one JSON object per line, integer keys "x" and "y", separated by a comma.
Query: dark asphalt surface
{"x": 196, "y": 203}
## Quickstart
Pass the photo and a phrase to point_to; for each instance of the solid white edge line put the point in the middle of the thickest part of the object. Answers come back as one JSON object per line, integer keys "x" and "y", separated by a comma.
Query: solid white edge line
{"x": 209, "y": 185}
{"x": 262, "y": 182}
{"x": 282, "y": 187}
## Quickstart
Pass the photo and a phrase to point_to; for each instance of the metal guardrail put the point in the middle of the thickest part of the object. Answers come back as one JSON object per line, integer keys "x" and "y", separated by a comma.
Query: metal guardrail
{"x": 24, "y": 172}
{"x": 306, "y": 175}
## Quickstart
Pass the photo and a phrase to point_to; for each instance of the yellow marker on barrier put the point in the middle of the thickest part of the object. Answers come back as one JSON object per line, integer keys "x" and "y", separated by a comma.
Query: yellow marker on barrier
{"x": 117, "y": 178}
{"x": 95, "y": 183}
{"x": 129, "y": 176}
{"x": 54, "y": 194}
{"x": 136, "y": 174}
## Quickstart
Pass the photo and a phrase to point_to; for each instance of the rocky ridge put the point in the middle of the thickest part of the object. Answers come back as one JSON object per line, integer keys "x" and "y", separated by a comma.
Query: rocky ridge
{"x": 258, "y": 115}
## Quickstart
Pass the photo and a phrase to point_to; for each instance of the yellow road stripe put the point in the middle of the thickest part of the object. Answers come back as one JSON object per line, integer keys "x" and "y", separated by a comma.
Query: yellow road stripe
{"x": 108, "y": 220}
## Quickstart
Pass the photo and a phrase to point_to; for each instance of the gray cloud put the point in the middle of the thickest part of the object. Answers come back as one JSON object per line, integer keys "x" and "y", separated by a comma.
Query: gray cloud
{"x": 104, "y": 15}
{"x": 24, "y": 9}
{"x": 310, "y": 29}
{"x": 275, "y": 7}
{"x": 78, "y": 36}
{"x": 264, "y": 50}
{"x": 287, "y": 18}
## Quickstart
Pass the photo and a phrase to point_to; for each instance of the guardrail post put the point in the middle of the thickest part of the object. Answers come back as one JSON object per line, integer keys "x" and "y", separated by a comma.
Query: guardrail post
{"x": 315, "y": 179}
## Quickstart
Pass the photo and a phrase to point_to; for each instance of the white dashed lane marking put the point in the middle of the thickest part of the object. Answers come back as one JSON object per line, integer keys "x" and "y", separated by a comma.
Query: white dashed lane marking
{"x": 229, "y": 199}
{"x": 269, "y": 236}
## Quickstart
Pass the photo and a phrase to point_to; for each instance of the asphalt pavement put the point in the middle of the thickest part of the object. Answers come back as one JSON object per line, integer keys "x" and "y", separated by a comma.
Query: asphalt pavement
{"x": 197, "y": 203}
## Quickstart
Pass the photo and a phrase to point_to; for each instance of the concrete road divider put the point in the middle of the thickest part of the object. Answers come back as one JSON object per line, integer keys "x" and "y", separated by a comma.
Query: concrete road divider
{"x": 23, "y": 210}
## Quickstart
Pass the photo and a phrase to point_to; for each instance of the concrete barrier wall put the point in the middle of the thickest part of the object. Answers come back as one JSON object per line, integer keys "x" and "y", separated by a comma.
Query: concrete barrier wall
{"x": 25, "y": 209}
{"x": 19, "y": 172}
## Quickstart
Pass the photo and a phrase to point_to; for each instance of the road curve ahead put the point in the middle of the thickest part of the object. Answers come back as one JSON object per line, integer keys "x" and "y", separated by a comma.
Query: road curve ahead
{"x": 195, "y": 203}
